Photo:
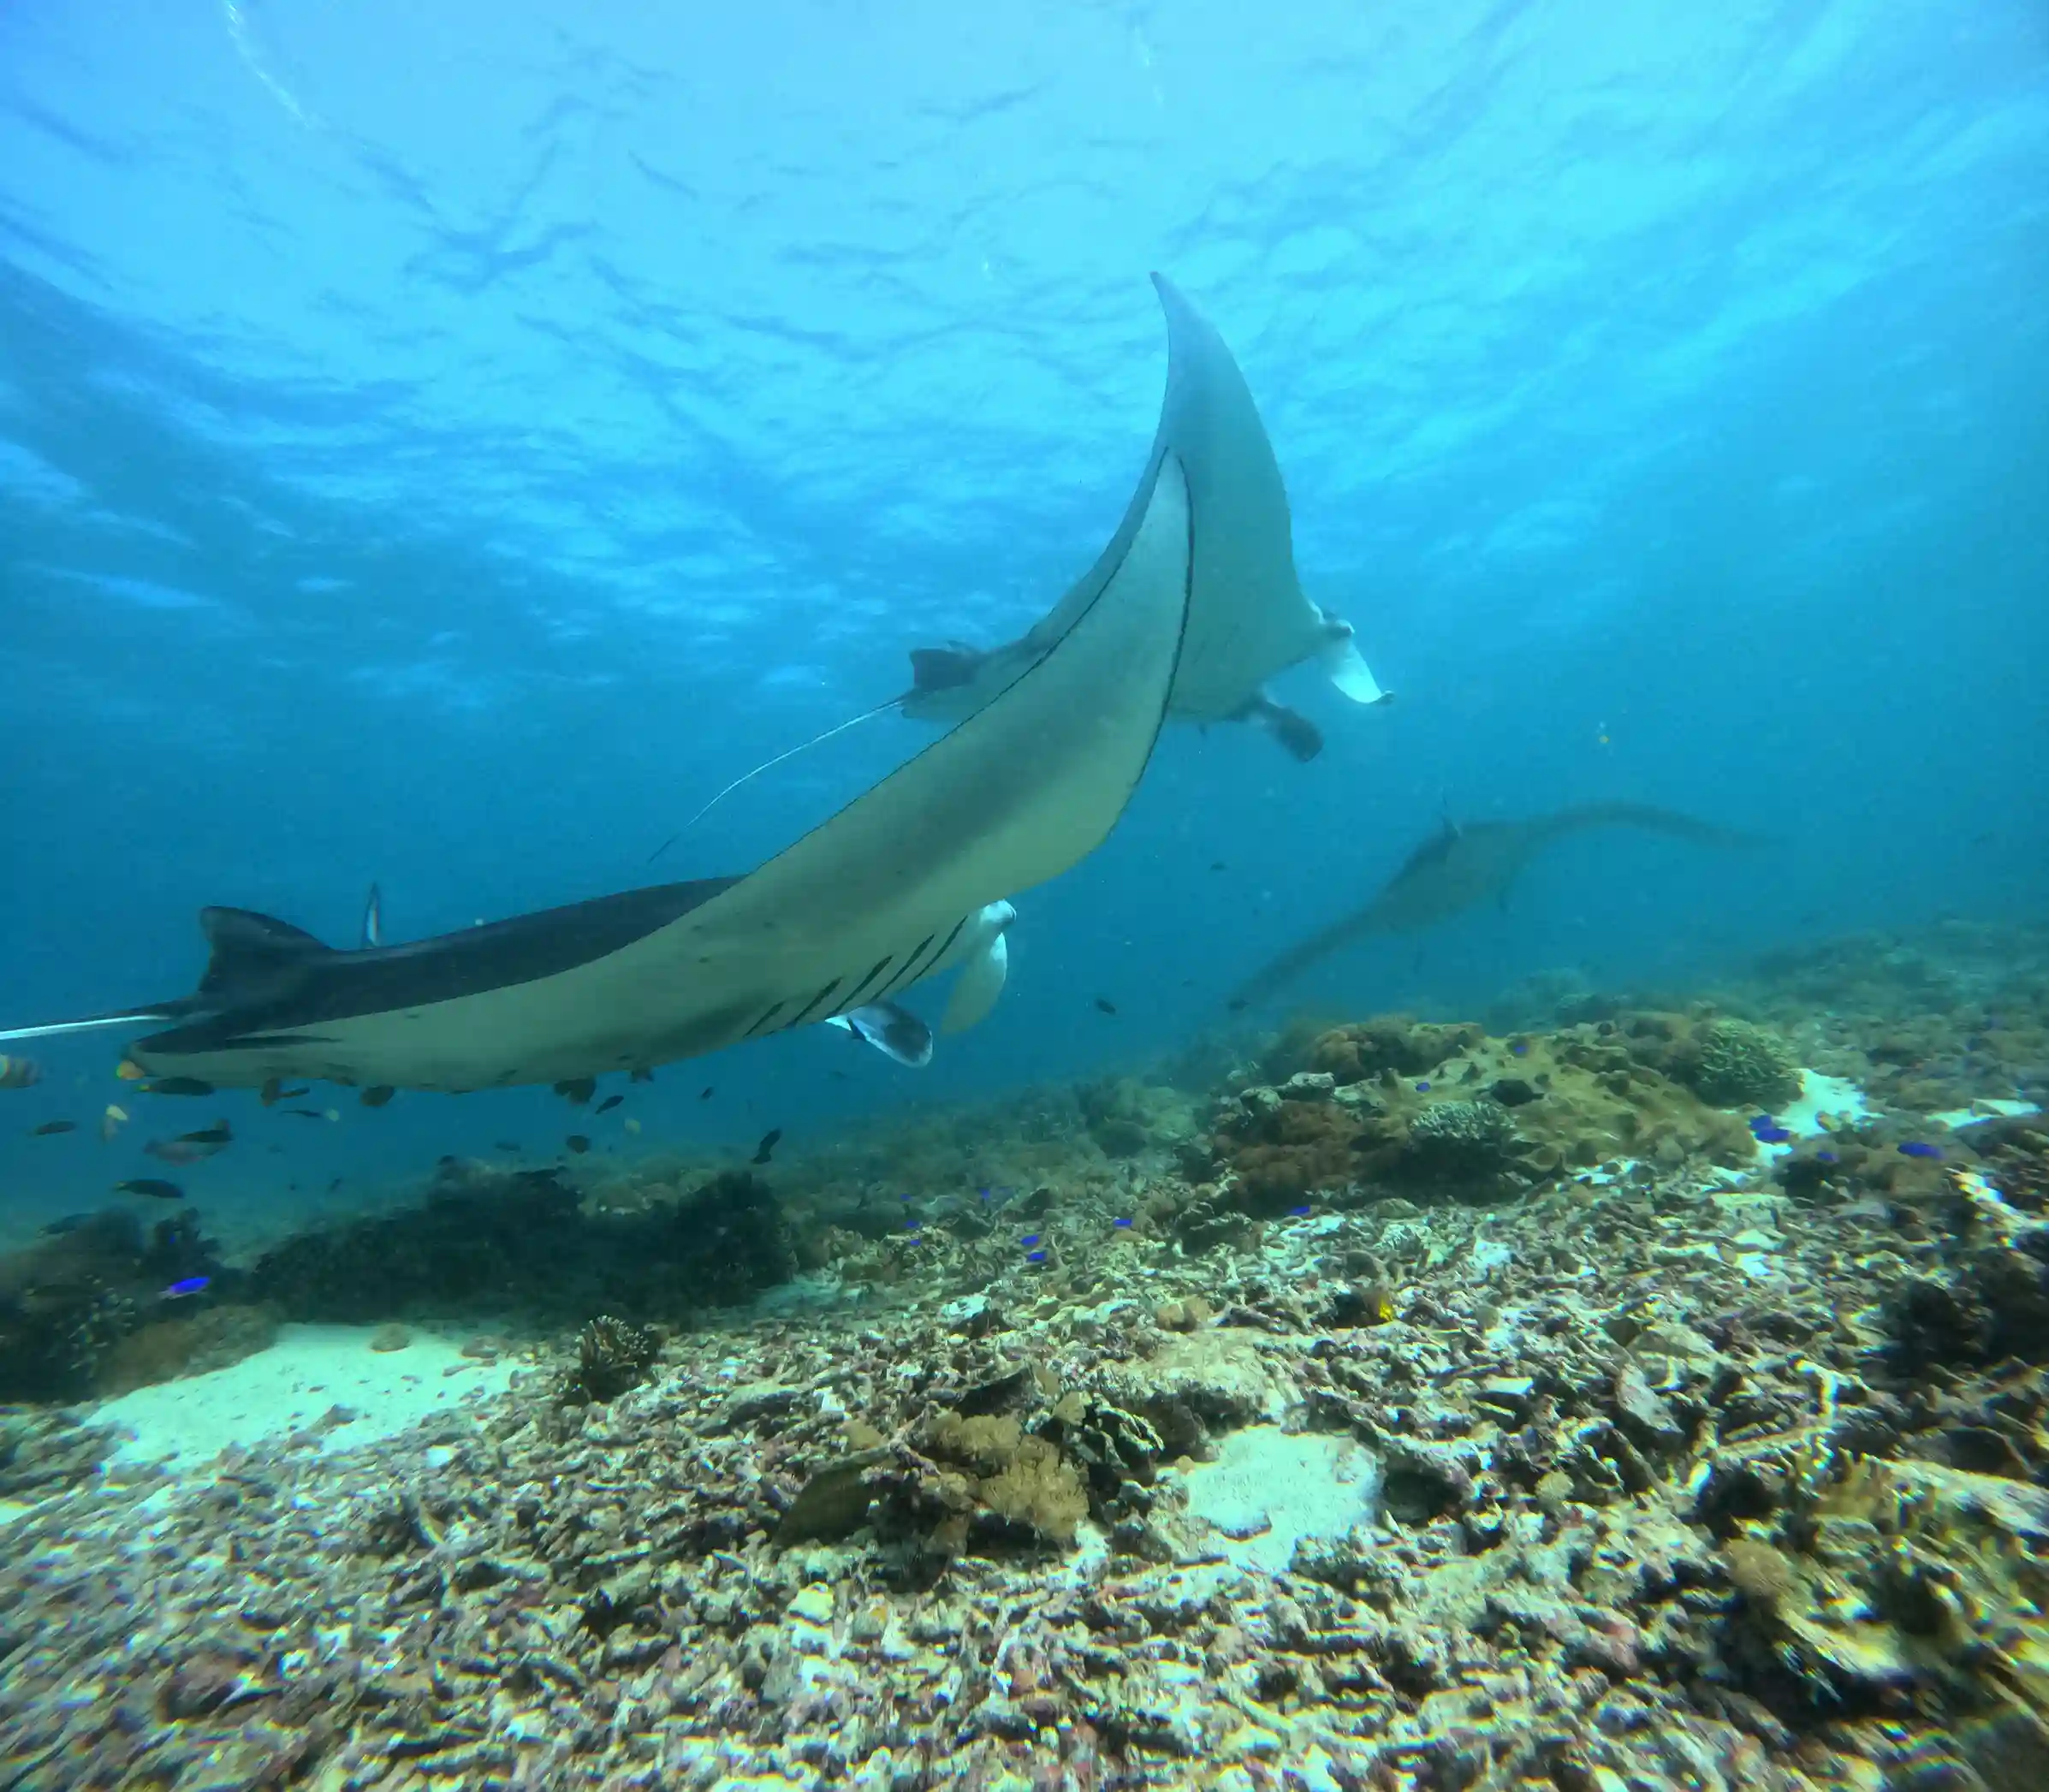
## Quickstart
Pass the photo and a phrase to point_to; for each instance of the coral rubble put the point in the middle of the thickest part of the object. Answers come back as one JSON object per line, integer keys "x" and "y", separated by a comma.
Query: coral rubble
{"x": 1413, "y": 1406}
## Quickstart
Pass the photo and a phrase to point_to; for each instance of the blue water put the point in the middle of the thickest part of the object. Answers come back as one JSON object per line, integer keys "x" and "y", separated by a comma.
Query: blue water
{"x": 442, "y": 444}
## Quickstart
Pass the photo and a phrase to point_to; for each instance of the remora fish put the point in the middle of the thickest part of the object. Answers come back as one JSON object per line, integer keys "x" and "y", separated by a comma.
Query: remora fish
{"x": 1458, "y": 868}
{"x": 1248, "y": 619}
{"x": 901, "y": 884}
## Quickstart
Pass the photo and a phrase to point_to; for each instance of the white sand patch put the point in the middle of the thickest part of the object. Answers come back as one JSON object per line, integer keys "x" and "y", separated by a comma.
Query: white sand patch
{"x": 1986, "y": 1107}
{"x": 1837, "y": 1097}
{"x": 296, "y": 1383}
{"x": 1267, "y": 1491}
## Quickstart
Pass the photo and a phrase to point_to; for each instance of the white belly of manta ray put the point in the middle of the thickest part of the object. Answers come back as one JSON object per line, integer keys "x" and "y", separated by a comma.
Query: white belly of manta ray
{"x": 583, "y": 1022}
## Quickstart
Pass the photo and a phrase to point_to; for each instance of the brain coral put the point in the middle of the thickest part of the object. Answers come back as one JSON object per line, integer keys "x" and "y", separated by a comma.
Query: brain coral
{"x": 1737, "y": 1065}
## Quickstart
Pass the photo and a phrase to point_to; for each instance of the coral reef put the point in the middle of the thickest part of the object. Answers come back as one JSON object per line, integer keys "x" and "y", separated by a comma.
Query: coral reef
{"x": 75, "y": 1302}
{"x": 487, "y": 1242}
{"x": 1646, "y": 1461}
{"x": 611, "y": 1356}
{"x": 1487, "y": 1119}
{"x": 1736, "y": 1064}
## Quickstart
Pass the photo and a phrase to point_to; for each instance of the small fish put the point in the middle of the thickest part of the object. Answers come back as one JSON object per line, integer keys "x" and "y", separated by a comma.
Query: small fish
{"x": 767, "y": 1145}
{"x": 1826, "y": 1157}
{"x": 306, "y": 1113}
{"x": 378, "y": 1097}
{"x": 1520, "y": 1049}
{"x": 706, "y": 1092}
{"x": 111, "y": 1122}
{"x": 1771, "y": 1135}
{"x": 176, "y": 1086}
{"x": 643, "y": 1075}
{"x": 1120, "y": 1222}
{"x": 577, "y": 1143}
{"x": 1423, "y": 1089}
{"x": 1919, "y": 1147}
{"x": 1217, "y": 865}
{"x": 1105, "y": 1006}
{"x": 175, "y": 1151}
{"x": 1035, "y": 1257}
{"x": 274, "y": 1091}
{"x": 153, "y": 1186}
{"x": 129, "y": 1071}
{"x": 373, "y": 919}
{"x": 1297, "y": 1212}
{"x": 609, "y": 1103}
{"x": 50, "y": 1129}
{"x": 577, "y": 1090}
{"x": 190, "y": 1284}
{"x": 1027, "y": 1241}
{"x": 19, "y": 1072}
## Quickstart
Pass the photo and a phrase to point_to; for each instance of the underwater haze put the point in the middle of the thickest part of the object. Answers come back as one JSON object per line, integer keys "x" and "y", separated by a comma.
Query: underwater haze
{"x": 440, "y": 445}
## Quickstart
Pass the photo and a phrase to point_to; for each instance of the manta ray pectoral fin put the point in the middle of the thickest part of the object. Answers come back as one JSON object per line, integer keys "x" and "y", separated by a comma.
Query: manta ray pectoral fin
{"x": 894, "y": 1031}
{"x": 976, "y": 988}
{"x": 1346, "y": 667}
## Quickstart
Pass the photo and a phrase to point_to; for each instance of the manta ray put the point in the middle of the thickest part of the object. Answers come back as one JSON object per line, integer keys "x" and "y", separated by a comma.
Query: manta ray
{"x": 1458, "y": 868}
{"x": 909, "y": 879}
{"x": 1251, "y": 621}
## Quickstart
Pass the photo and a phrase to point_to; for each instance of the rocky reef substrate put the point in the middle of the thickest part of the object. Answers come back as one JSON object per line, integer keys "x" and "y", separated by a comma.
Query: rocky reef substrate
{"x": 1420, "y": 1407}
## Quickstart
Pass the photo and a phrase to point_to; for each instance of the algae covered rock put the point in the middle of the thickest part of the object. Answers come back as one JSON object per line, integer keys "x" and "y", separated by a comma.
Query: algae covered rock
{"x": 1896, "y": 1583}
{"x": 1737, "y": 1065}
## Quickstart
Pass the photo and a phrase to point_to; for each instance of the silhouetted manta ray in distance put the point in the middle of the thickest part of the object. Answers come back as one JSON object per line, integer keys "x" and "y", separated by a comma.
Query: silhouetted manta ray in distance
{"x": 1458, "y": 868}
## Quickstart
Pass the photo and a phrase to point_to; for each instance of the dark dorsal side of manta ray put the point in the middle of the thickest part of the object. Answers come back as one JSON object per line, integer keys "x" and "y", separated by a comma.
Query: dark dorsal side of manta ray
{"x": 908, "y": 880}
{"x": 1458, "y": 868}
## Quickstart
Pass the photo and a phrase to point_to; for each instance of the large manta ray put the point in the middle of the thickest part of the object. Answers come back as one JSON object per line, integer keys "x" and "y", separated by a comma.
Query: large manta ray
{"x": 1458, "y": 868}
{"x": 908, "y": 880}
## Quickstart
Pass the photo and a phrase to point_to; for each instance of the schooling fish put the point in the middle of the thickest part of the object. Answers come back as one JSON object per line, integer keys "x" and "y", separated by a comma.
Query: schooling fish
{"x": 577, "y": 1090}
{"x": 274, "y": 1091}
{"x": 642, "y": 1074}
{"x": 373, "y": 919}
{"x": 1105, "y": 1006}
{"x": 706, "y": 1092}
{"x": 1458, "y": 868}
{"x": 576, "y": 1141}
{"x": 50, "y": 1129}
{"x": 154, "y": 1187}
{"x": 609, "y": 1103}
{"x": 766, "y": 1146}
{"x": 176, "y": 1086}
{"x": 377, "y": 1096}
{"x": 306, "y": 1113}
{"x": 19, "y": 1072}
{"x": 111, "y": 1122}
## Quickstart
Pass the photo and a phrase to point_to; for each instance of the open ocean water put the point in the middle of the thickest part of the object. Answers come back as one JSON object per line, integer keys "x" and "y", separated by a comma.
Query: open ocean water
{"x": 442, "y": 445}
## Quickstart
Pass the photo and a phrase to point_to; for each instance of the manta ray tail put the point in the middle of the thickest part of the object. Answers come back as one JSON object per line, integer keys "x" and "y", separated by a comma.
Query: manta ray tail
{"x": 766, "y": 764}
